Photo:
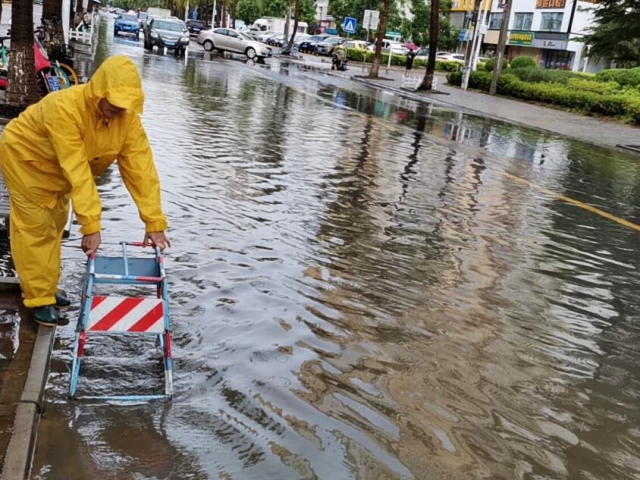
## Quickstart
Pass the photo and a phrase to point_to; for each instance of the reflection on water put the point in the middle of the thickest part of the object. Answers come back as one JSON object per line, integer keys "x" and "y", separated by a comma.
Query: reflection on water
{"x": 359, "y": 291}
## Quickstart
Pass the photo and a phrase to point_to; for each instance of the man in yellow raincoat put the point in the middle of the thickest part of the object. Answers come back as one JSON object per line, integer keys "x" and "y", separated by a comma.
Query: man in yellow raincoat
{"x": 51, "y": 153}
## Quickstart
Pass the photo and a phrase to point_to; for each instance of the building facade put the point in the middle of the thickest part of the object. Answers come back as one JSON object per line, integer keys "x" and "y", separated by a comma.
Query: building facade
{"x": 462, "y": 11}
{"x": 550, "y": 31}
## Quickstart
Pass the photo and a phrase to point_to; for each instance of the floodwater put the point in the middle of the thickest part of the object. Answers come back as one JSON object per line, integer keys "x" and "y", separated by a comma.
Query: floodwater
{"x": 362, "y": 288}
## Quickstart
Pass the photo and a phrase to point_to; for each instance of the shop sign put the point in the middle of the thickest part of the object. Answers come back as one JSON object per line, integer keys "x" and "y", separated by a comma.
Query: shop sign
{"x": 550, "y": 3}
{"x": 550, "y": 44}
{"x": 521, "y": 38}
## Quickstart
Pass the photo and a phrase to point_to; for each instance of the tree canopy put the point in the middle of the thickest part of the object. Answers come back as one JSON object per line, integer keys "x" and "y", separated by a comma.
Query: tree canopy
{"x": 251, "y": 10}
{"x": 616, "y": 35}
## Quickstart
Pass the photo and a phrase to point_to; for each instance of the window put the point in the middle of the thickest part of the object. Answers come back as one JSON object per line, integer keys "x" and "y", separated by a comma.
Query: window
{"x": 522, "y": 21}
{"x": 495, "y": 21}
{"x": 551, "y": 22}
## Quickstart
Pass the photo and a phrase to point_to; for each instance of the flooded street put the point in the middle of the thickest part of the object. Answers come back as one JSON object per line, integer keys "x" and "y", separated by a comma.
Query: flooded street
{"x": 362, "y": 287}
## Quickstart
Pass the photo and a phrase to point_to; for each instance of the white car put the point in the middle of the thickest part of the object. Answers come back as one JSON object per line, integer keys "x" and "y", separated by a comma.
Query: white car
{"x": 450, "y": 57}
{"x": 395, "y": 47}
{"x": 230, "y": 40}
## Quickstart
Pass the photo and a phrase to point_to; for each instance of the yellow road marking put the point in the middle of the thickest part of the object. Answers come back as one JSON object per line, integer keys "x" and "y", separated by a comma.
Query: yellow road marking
{"x": 577, "y": 203}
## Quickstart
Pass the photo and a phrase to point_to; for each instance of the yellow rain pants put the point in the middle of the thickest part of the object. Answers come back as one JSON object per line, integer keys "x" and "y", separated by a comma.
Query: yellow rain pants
{"x": 52, "y": 152}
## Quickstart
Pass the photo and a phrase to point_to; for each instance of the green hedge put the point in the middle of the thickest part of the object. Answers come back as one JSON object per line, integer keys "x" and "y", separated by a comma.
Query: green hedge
{"x": 541, "y": 75}
{"x": 627, "y": 77}
{"x": 585, "y": 85}
{"x": 523, "y": 62}
{"x": 618, "y": 104}
{"x": 401, "y": 60}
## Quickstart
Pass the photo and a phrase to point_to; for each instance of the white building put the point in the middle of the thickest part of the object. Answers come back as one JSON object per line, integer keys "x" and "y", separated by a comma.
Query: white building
{"x": 548, "y": 30}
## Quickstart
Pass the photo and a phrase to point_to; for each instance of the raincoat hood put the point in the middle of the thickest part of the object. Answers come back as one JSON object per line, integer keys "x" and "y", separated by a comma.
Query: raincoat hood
{"x": 118, "y": 81}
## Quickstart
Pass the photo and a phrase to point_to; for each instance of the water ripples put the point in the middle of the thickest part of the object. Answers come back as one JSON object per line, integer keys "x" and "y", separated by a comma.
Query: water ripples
{"x": 354, "y": 298}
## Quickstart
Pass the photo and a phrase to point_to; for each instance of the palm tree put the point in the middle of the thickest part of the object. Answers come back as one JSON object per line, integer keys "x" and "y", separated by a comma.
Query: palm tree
{"x": 22, "y": 88}
{"x": 287, "y": 51}
{"x": 382, "y": 29}
{"x": 434, "y": 31}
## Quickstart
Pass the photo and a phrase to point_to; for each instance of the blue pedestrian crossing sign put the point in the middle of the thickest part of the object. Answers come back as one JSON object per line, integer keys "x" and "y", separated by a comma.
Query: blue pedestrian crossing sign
{"x": 349, "y": 25}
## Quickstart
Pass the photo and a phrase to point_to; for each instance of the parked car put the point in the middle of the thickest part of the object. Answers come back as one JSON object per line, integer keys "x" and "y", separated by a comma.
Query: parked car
{"x": 126, "y": 23}
{"x": 450, "y": 57}
{"x": 300, "y": 37}
{"x": 195, "y": 27}
{"x": 327, "y": 46}
{"x": 263, "y": 36}
{"x": 422, "y": 54}
{"x": 389, "y": 45}
{"x": 276, "y": 40}
{"x": 165, "y": 33}
{"x": 142, "y": 17}
{"x": 309, "y": 45}
{"x": 356, "y": 44}
{"x": 230, "y": 40}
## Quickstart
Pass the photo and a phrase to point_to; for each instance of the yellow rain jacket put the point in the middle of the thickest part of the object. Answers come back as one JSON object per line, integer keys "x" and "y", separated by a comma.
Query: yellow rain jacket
{"x": 52, "y": 152}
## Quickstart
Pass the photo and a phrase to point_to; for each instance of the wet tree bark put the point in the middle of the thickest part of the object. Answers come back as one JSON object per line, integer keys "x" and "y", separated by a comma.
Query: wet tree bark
{"x": 382, "y": 29}
{"x": 224, "y": 16}
{"x": 52, "y": 11}
{"x": 287, "y": 51}
{"x": 434, "y": 31}
{"x": 22, "y": 88}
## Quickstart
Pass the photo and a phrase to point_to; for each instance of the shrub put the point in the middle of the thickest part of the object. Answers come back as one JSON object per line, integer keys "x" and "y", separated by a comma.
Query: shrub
{"x": 482, "y": 66}
{"x": 448, "y": 66}
{"x": 480, "y": 80}
{"x": 490, "y": 65}
{"x": 602, "y": 88}
{"x": 540, "y": 75}
{"x": 624, "y": 76}
{"x": 523, "y": 62}
{"x": 454, "y": 78}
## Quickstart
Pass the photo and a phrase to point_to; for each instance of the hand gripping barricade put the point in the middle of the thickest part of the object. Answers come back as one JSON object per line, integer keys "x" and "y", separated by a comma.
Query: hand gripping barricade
{"x": 100, "y": 315}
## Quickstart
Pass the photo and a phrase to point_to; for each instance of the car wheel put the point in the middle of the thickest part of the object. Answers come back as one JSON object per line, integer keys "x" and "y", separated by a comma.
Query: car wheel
{"x": 208, "y": 45}
{"x": 251, "y": 53}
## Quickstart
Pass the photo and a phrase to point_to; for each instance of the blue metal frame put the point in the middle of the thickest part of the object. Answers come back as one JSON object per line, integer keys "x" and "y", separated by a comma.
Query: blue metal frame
{"x": 125, "y": 277}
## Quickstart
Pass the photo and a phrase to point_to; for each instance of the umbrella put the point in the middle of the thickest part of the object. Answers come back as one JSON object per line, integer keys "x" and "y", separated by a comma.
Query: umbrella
{"x": 411, "y": 46}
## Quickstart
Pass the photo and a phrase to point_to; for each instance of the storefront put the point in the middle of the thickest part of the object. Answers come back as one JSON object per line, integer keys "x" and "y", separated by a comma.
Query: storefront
{"x": 554, "y": 52}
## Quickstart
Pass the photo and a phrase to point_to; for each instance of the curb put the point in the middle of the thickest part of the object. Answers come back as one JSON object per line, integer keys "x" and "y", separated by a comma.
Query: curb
{"x": 19, "y": 457}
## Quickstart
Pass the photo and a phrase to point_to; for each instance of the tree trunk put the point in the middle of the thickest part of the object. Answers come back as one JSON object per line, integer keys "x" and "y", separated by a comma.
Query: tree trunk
{"x": 52, "y": 11}
{"x": 234, "y": 7}
{"x": 434, "y": 31}
{"x": 382, "y": 30}
{"x": 224, "y": 16}
{"x": 287, "y": 51}
{"x": 78, "y": 14}
{"x": 22, "y": 88}
{"x": 90, "y": 6}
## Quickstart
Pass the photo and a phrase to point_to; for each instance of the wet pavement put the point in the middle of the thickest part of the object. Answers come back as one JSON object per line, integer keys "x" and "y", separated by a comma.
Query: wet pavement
{"x": 362, "y": 287}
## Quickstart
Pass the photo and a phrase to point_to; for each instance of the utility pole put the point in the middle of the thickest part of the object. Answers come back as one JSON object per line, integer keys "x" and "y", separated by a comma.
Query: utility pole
{"x": 213, "y": 16}
{"x": 471, "y": 43}
{"x": 502, "y": 42}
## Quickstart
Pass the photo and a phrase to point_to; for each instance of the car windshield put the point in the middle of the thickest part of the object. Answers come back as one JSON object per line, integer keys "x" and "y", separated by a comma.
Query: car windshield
{"x": 334, "y": 40}
{"x": 316, "y": 38}
{"x": 245, "y": 36}
{"x": 129, "y": 18}
{"x": 143, "y": 15}
{"x": 169, "y": 26}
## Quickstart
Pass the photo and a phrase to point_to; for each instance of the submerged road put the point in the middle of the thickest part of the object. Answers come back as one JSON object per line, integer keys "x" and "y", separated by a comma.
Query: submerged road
{"x": 363, "y": 287}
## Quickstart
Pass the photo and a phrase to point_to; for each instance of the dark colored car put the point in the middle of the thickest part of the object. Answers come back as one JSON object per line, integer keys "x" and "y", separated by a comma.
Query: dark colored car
{"x": 276, "y": 40}
{"x": 195, "y": 27}
{"x": 326, "y": 47}
{"x": 310, "y": 44}
{"x": 126, "y": 23}
{"x": 165, "y": 33}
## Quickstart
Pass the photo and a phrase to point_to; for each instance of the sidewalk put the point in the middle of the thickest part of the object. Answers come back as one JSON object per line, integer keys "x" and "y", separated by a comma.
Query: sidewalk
{"x": 592, "y": 130}
{"x": 587, "y": 129}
